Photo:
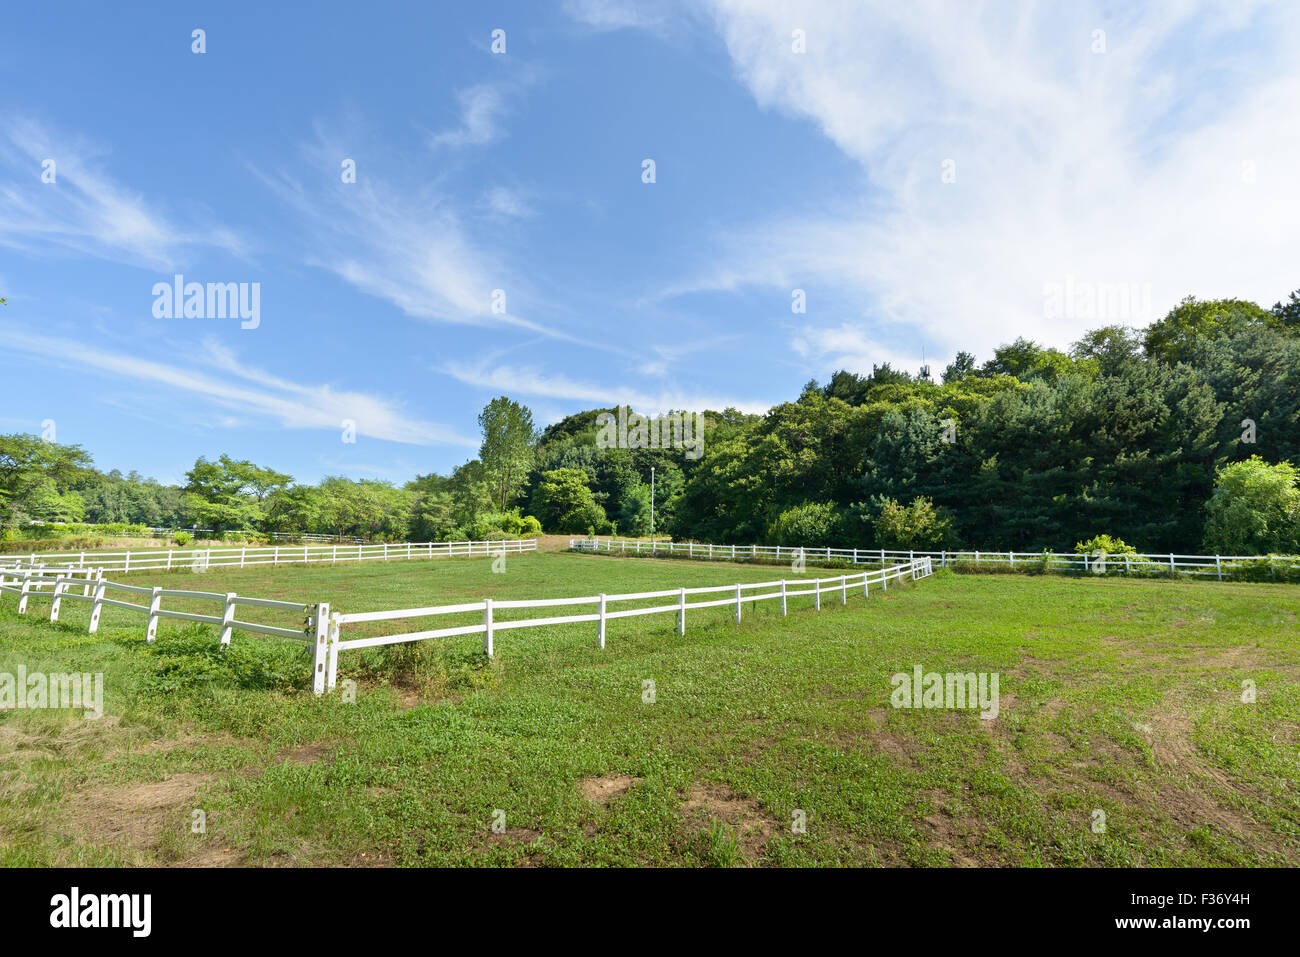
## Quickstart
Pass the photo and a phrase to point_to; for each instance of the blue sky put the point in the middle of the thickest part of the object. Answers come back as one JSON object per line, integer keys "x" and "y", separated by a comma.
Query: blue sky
{"x": 924, "y": 172}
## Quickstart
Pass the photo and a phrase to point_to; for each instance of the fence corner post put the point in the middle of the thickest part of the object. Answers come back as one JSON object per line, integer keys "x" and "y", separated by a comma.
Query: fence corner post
{"x": 320, "y": 648}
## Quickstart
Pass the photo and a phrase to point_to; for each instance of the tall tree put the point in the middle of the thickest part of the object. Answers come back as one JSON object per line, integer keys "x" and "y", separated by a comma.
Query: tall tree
{"x": 507, "y": 451}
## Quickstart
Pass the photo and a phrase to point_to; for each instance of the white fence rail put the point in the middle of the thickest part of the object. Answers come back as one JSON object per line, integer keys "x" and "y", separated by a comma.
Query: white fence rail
{"x": 201, "y": 559}
{"x": 62, "y": 583}
{"x": 737, "y": 595}
{"x": 1147, "y": 563}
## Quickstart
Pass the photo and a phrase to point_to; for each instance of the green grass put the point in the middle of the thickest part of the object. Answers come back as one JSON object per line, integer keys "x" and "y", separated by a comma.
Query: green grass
{"x": 1119, "y": 696}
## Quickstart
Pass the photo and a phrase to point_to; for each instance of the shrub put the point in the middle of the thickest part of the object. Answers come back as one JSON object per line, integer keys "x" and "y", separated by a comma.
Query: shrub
{"x": 806, "y": 525}
{"x": 1104, "y": 544}
{"x": 182, "y": 539}
{"x": 919, "y": 525}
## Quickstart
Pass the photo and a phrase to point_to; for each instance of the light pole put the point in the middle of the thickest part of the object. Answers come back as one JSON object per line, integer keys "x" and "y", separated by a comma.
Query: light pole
{"x": 652, "y": 508}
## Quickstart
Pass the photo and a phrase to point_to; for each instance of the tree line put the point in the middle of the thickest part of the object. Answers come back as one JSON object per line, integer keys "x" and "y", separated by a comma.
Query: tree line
{"x": 1177, "y": 437}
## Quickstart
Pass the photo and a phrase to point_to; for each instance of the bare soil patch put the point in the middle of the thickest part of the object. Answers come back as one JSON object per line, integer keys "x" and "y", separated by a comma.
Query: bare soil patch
{"x": 606, "y": 788}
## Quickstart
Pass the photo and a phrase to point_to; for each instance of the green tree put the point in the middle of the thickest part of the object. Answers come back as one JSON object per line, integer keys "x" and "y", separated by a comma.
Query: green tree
{"x": 1255, "y": 509}
{"x": 563, "y": 503}
{"x": 228, "y": 494}
{"x": 507, "y": 449}
{"x": 36, "y": 476}
{"x": 1192, "y": 322}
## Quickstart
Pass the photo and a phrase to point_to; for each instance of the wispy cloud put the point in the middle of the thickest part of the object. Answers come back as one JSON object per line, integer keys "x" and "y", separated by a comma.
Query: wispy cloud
{"x": 408, "y": 245}
{"x": 616, "y": 14}
{"x": 245, "y": 390}
{"x": 481, "y": 107}
{"x": 518, "y": 380}
{"x": 84, "y": 210}
{"x": 1167, "y": 160}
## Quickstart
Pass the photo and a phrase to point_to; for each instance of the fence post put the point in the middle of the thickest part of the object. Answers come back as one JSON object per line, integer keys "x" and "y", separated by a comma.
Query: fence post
{"x": 487, "y": 627}
{"x": 98, "y": 604}
{"x": 320, "y": 648}
{"x": 600, "y": 628}
{"x": 1011, "y": 559}
{"x": 866, "y": 593}
{"x": 943, "y": 559}
{"x": 332, "y": 669}
{"x": 1171, "y": 564}
{"x": 275, "y": 556}
{"x": 127, "y": 567}
{"x": 59, "y": 586}
{"x": 169, "y": 559}
{"x": 817, "y": 592}
{"x": 782, "y": 597}
{"x": 855, "y": 556}
{"x": 227, "y": 618}
{"x": 737, "y": 601}
{"x": 22, "y": 595}
{"x": 1218, "y": 567}
{"x": 155, "y": 604}
{"x": 884, "y": 579}
{"x": 335, "y": 554}
{"x": 882, "y": 558}
{"x": 681, "y": 612}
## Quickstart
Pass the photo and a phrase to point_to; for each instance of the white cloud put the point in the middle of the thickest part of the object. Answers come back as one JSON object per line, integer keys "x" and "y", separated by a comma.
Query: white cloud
{"x": 84, "y": 209}
{"x": 1116, "y": 167}
{"x": 507, "y": 203}
{"x": 246, "y": 391}
{"x": 408, "y": 246}
{"x": 517, "y": 380}
{"x": 608, "y": 15}
{"x": 481, "y": 107}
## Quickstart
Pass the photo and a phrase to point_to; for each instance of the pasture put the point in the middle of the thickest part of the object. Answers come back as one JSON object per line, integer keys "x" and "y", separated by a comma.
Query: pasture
{"x": 1119, "y": 696}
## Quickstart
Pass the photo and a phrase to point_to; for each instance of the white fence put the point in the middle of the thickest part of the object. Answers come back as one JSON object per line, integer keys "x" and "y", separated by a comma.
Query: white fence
{"x": 201, "y": 559}
{"x": 1147, "y": 563}
{"x": 323, "y": 630}
{"x": 61, "y": 583}
{"x": 737, "y": 596}
{"x": 316, "y": 537}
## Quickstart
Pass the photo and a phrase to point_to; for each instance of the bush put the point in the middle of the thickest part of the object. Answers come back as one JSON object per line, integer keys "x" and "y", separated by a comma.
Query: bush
{"x": 806, "y": 525}
{"x": 1104, "y": 544}
{"x": 916, "y": 526}
{"x": 531, "y": 526}
{"x": 182, "y": 539}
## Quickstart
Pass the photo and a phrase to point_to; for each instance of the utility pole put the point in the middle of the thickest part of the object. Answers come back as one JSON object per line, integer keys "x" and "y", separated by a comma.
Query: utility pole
{"x": 652, "y": 507}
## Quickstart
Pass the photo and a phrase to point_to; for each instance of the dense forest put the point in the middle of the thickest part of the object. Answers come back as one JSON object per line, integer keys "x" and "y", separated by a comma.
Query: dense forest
{"x": 1177, "y": 437}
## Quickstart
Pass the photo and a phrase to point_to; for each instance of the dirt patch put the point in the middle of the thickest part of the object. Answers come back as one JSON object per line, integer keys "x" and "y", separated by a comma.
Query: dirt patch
{"x": 307, "y": 754}
{"x": 136, "y": 816}
{"x": 954, "y": 835}
{"x": 607, "y": 788}
{"x": 753, "y": 826}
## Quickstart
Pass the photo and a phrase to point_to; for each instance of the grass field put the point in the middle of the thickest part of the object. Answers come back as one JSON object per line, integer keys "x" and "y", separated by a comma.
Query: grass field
{"x": 1118, "y": 696}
